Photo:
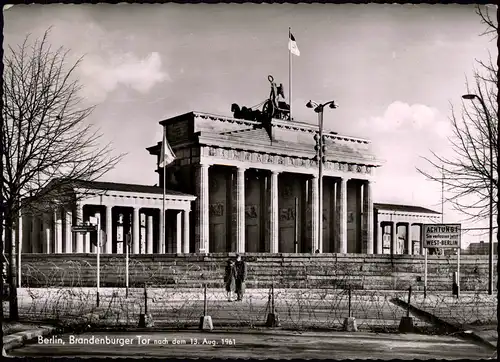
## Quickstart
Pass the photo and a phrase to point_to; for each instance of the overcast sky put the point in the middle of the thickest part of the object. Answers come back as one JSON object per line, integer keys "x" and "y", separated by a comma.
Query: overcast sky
{"x": 393, "y": 69}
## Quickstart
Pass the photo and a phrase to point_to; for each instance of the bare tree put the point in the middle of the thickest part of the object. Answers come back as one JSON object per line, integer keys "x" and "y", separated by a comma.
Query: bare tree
{"x": 47, "y": 143}
{"x": 466, "y": 173}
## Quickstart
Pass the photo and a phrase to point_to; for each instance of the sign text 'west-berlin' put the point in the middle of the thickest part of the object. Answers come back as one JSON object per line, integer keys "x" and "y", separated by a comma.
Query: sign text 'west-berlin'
{"x": 441, "y": 235}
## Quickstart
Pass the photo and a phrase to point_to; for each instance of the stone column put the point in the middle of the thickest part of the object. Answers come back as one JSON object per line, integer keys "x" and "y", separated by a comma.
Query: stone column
{"x": 58, "y": 232}
{"x": 394, "y": 239}
{"x": 178, "y": 232}
{"x": 274, "y": 217}
{"x": 380, "y": 239}
{"x": 143, "y": 231}
{"x": 161, "y": 229}
{"x": 149, "y": 234}
{"x": 202, "y": 232}
{"x": 240, "y": 210}
{"x": 68, "y": 234}
{"x": 368, "y": 205}
{"x": 47, "y": 234}
{"x": 86, "y": 240}
{"x": 409, "y": 242}
{"x": 136, "y": 231}
{"x": 342, "y": 216}
{"x": 186, "y": 231}
{"x": 421, "y": 239}
{"x": 36, "y": 242}
{"x": 109, "y": 230}
{"x": 314, "y": 213}
{"x": 79, "y": 221}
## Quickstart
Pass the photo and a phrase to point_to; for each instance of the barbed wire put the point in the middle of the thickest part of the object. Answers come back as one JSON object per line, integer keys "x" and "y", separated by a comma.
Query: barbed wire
{"x": 312, "y": 295}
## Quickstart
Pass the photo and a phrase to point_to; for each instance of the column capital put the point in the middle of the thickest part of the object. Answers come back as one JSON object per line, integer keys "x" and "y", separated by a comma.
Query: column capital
{"x": 241, "y": 169}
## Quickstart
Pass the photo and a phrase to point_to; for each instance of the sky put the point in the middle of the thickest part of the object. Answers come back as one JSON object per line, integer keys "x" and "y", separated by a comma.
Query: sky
{"x": 394, "y": 70}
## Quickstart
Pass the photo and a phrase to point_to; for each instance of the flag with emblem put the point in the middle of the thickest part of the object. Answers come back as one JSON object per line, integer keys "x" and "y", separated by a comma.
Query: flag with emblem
{"x": 167, "y": 155}
{"x": 292, "y": 45}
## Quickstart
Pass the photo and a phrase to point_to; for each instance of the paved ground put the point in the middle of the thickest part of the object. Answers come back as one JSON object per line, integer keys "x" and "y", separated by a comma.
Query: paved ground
{"x": 179, "y": 308}
{"x": 473, "y": 313}
{"x": 16, "y": 334}
{"x": 296, "y": 309}
{"x": 256, "y": 344}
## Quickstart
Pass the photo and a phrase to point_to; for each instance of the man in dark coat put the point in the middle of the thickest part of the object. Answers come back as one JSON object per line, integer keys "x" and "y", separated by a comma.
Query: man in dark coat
{"x": 241, "y": 276}
{"x": 230, "y": 279}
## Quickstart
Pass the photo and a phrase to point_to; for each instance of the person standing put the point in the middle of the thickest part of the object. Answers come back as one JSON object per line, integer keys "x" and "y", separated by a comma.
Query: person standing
{"x": 230, "y": 279}
{"x": 241, "y": 276}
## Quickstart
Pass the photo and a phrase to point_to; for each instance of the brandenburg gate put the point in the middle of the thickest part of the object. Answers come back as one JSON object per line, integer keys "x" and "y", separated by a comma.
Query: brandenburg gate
{"x": 256, "y": 185}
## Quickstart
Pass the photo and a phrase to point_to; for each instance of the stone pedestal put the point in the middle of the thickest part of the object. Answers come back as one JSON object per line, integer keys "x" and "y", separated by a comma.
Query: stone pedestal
{"x": 206, "y": 323}
{"x": 272, "y": 320}
{"x": 350, "y": 325}
{"x": 406, "y": 325}
{"x": 145, "y": 320}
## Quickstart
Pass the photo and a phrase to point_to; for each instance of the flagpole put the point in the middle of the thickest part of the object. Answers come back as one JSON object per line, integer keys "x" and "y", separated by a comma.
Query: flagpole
{"x": 162, "y": 244}
{"x": 290, "y": 72}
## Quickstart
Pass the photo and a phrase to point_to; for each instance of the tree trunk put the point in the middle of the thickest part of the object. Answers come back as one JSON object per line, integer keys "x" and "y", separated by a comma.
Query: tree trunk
{"x": 11, "y": 275}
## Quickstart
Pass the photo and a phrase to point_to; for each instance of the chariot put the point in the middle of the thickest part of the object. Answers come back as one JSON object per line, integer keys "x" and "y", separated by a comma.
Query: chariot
{"x": 273, "y": 107}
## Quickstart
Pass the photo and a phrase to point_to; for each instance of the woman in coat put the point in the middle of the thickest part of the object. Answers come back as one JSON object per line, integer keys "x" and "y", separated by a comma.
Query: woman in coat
{"x": 230, "y": 279}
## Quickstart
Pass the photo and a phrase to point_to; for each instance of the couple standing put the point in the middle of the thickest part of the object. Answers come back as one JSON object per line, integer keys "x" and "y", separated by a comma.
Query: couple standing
{"x": 234, "y": 278}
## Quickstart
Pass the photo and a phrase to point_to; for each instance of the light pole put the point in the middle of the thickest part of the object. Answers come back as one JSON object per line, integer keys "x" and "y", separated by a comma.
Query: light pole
{"x": 318, "y": 108}
{"x": 490, "y": 143}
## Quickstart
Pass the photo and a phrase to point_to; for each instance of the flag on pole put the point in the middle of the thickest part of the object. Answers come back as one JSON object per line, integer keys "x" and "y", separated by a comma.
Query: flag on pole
{"x": 292, "y": 46}
{"x": 167, "y": 155}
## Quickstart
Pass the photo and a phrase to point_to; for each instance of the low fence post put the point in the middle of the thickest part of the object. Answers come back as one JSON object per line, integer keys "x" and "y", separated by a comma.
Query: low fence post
{"x": 205, "y": 320}
{"x": 145, "y": 320}
{"x": 406, "y": 323}
{"x": 205, "y": 301}
{"x": 409, "y": 303}
{"x": 350, "y": 324}
{"x": 349, "y": 296}
{"x": 272, "y": 317}
{"x": 145, "y": 298}
{"x": 272, "y": 298}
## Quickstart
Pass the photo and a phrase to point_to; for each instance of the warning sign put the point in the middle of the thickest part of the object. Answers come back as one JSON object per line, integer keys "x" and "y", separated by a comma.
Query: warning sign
{"x": 441, "y": 235}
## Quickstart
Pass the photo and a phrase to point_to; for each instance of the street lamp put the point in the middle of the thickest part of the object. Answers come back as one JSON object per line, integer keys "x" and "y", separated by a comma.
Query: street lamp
{"x": 471, "y": 97}
{"x": 318, "y": 108}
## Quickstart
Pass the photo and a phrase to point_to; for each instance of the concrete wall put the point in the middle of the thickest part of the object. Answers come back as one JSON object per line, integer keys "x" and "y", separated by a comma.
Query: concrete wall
{"x": 370, "y": 272}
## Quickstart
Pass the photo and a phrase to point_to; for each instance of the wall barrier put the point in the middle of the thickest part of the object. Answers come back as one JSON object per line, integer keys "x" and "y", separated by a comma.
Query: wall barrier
{"x": 291, "y": 271}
